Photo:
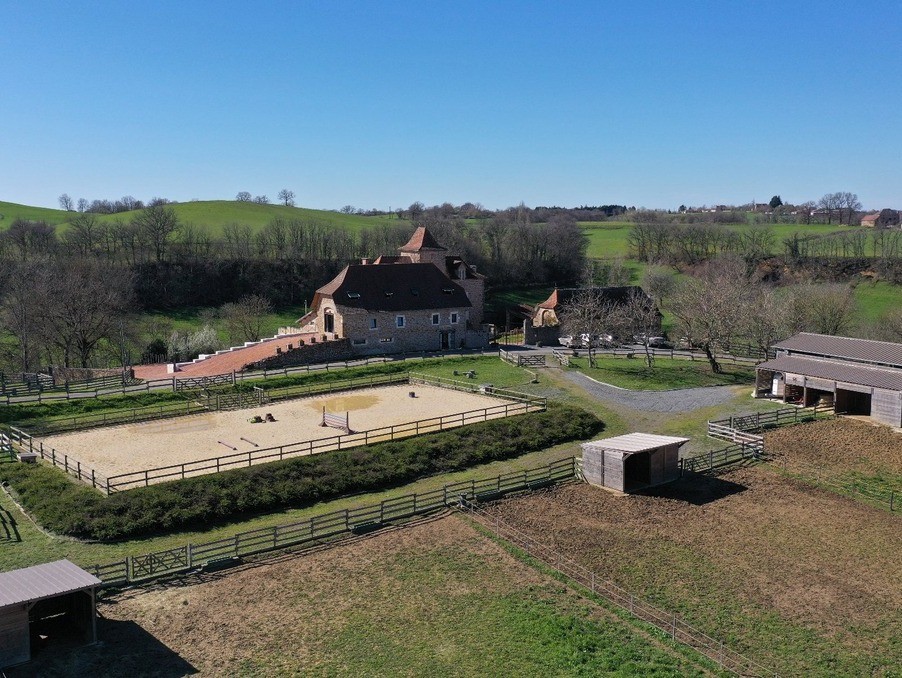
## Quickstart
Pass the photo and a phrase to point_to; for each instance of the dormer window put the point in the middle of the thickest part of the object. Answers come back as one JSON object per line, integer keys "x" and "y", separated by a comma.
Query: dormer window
{"x": 448, "y": 290}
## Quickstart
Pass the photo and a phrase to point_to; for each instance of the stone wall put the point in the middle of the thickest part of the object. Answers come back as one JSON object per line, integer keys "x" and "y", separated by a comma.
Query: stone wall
{"x": 308, "y": 354}
{"x": 547, "y": 336}
{"x": 79, "y": 374}
{"x": 418, "y": 333}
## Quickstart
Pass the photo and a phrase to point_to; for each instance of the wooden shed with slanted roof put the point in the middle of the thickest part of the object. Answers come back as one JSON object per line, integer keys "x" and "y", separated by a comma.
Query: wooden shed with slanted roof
{"x": 58, "y": 595}
{"x": 632, "y": 462}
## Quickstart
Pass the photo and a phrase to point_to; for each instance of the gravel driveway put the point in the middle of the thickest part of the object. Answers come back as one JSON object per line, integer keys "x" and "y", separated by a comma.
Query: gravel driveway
{"x": 682, "y": 400}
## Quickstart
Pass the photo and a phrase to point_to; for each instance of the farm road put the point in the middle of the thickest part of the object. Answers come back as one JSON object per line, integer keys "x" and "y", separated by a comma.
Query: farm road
{"x": 682, "y": 400}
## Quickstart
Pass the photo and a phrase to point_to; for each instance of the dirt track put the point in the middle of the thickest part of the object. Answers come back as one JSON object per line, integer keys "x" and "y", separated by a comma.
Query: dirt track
{"x": 135, "y": 447}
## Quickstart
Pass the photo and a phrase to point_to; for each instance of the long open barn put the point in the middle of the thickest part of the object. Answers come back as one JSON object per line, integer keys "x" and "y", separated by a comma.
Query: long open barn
{"x": 136, "y": 447}
{"x": 852, "y": 376}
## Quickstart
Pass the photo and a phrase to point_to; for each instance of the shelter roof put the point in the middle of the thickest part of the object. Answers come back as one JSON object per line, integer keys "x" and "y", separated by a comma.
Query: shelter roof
{"x": 849, "y": 348}
{"x": 34, "y": 583}
{"x": 871, "y": 217}
{"x": 420, "y": 240}
{"x": 850, "y": 373}
{"x": 636, "y": 442}
{"x": 411, "y": 287}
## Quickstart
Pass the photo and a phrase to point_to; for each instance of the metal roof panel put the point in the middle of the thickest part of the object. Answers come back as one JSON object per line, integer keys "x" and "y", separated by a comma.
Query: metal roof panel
{"x": 43, "y": 581}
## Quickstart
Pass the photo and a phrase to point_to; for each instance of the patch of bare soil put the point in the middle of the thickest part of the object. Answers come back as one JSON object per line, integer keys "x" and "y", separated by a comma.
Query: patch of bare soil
{"x": 840, "y": 443}
{"x": 716, "y": 547}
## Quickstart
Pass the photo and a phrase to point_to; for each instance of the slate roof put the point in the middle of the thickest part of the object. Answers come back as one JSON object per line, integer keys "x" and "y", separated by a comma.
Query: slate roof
{"x": 636, "y": 442}
{"x": 43, "y": 581}
{"x": 849, "y": 348}
{"x": 421, "y": 239}
{"x": 409, "y": 287}
{"x": 850, "y": 373}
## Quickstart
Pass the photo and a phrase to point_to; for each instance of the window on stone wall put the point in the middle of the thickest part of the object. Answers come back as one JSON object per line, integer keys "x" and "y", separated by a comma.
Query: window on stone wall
{"x": 453, "y": 317}
{"x": 373, "y": 323}
{"x": 399, "y": 321}
{"x": 387, "y": 340}
{"x": 358, "y": 342}
{"x": 435, "y": 318}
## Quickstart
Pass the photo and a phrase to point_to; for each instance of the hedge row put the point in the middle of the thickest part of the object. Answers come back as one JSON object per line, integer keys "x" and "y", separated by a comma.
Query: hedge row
{"x": 70, "y": 508}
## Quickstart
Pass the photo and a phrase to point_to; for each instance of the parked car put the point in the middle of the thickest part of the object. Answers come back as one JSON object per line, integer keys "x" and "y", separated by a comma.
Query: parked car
{"x": 569, "y": 341}
{"x": 659, "y": 342}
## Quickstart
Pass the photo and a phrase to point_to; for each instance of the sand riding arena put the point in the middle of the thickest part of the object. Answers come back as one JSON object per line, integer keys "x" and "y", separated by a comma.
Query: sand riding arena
{"x": 115, "y": 458}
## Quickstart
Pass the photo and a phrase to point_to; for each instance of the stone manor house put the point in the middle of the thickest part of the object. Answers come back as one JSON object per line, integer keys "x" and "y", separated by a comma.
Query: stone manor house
{"x": 420, "y": 300}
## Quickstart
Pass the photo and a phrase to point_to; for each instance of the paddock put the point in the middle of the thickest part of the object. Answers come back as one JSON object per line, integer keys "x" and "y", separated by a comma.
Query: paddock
{"x": 132, "y": 448}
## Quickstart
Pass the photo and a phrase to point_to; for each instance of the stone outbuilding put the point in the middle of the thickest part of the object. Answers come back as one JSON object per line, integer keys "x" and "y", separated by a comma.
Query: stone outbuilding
{"x": 632, "y": 462}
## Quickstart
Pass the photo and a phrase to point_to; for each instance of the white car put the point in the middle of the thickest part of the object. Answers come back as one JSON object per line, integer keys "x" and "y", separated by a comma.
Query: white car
{"x": 568, "y": 341}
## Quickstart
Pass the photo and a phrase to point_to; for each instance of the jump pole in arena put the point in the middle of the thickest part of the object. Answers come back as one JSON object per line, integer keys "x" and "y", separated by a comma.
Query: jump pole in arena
{"x": 231, "y": 447}
{"x": 250, "y": 442}
{"x": 336, "y": 421}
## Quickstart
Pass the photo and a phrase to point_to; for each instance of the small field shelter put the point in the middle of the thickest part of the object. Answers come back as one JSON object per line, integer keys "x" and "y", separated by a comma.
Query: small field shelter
{"x": 633, "y": 461}
{"x": 852, "y": 376}
{"x": 52, "y": 599}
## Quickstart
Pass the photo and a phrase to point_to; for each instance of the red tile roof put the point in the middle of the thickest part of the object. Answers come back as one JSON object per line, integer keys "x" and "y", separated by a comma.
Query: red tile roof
{"x": 421, "y": 239}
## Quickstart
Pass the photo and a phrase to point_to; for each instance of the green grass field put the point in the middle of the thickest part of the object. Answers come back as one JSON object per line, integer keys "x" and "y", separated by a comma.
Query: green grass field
{"x": 608, "y": 239}
{"x": 211, "y": 214}
{"x": 666, "y": 374}
{"x": 875, "y": 299}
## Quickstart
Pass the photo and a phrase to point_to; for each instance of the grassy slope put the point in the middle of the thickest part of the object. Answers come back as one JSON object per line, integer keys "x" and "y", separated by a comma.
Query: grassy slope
{"x": 213, "y": 214}
{"x": 875, "y": 299}
{"x": 608, "y": 239}
{"x": 666, "y": 374}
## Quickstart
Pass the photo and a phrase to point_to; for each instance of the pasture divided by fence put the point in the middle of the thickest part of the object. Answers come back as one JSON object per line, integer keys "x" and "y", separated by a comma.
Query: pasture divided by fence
{"x": 180, "y": 383}
{"x": 891, "y": 498}
{"x": 361, "y": 519}
{"x": 677, "y": 628}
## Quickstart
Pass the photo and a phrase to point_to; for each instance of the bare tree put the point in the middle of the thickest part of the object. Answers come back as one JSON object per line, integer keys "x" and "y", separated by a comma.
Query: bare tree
{"x": 850, "y": 203}
{"x": 823, "y": 308}
{"x": 243, "y": 196}
{"x": 641, "y": 318}
{"x": 245, "y": 318}
{"x": 82, "y": 204}
{"x": 85, "y": 233}
{"x": 19, "y": 313}
{"x": 286, "y": 197}
{"x": 659, "y": 282}
{"x": 712, "y": 308}
{"x": 66, "y": 203}
{"x": 261, "y": 200}
{"x": 158, "y": 224}
{"x": 589, "y": 313}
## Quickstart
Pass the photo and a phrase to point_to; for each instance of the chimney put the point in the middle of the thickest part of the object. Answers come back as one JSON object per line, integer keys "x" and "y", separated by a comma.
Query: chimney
{"x": 365, "y": 262}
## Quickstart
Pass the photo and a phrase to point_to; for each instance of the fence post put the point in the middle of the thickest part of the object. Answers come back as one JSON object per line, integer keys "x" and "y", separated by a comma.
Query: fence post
{"x": 892, "y": 496}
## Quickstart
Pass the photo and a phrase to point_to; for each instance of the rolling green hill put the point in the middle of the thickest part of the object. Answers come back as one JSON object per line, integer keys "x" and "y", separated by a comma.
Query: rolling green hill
{"x": 213, "y": 214}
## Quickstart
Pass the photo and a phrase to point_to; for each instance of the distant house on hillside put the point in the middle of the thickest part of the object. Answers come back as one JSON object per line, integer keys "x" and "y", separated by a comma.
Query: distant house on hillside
{"x": 885, "y": 218}
{"x": 544, "y": 323}
{"x": 419, "y": 300}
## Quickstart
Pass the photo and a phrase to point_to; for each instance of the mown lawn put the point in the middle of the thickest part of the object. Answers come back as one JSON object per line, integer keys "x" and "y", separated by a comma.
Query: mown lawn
{"x": 667, "y": 373}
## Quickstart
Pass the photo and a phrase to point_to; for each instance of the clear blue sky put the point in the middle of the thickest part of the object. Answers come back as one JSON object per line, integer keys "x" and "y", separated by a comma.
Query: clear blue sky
{"x": 379, "y": 104}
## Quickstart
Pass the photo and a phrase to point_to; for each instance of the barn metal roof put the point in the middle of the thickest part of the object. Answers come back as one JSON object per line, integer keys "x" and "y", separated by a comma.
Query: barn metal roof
{"x": 43, "y": 581}
{"x": 850, "y": 348}
{"x": 636, "y": 442}
{"x": 876, "y": 377}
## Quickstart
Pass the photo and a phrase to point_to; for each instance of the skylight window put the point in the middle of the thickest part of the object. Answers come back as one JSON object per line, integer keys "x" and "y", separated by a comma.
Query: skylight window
{"x": 353, "y": 295}
{"x": 448, "y": 290}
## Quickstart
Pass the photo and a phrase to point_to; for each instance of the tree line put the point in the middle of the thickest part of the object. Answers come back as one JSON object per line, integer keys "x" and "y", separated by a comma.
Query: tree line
{"x": 71, "y": 297}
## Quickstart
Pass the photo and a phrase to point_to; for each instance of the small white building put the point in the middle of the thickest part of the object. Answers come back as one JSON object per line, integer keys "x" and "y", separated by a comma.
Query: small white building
{"x": 633, "y": 461}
